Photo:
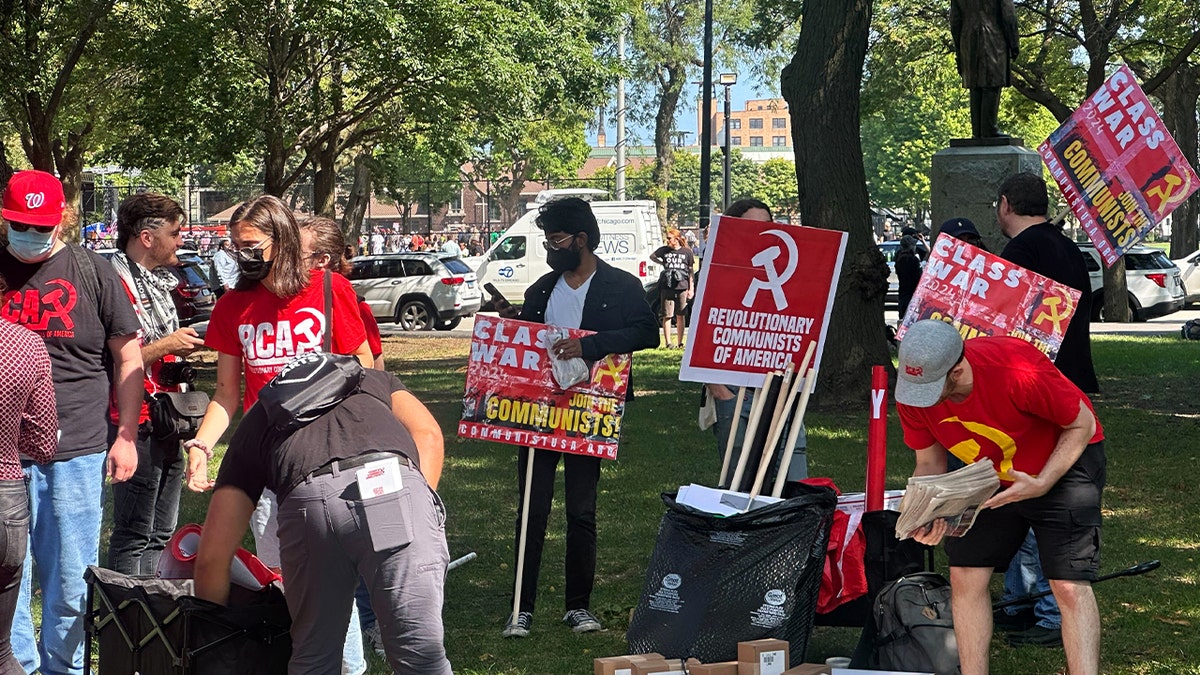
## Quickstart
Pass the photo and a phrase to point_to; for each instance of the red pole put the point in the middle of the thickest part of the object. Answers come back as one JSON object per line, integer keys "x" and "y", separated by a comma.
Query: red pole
{"x": 877, "y": 440}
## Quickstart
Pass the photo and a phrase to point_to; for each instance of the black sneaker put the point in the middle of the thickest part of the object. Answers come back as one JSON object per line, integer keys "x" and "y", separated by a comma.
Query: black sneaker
{"x": 582, "y": 621}
{"x": 520, "y": 627}
{"x": 1038, "y": 636}
{"x": 1011, "y": 623}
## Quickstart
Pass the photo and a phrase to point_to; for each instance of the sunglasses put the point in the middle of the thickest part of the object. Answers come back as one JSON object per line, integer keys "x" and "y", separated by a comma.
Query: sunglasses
{"x": 25, "y": 227}
{"x": 555, "y": 244}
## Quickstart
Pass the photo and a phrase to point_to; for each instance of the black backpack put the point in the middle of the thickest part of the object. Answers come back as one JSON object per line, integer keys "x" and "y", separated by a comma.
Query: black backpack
{"x": 1191, "y": 330}
{"x": 915, "y": 627}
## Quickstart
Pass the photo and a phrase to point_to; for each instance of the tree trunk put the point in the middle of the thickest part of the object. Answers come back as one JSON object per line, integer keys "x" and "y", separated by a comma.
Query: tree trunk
{"x": 664, "y": 147}
{"x": 275, "y": 164}
{"x": 821, "y": 86}
{"x": 325, "y": 178}
{"x": 359, "y": 198}
{"x": 6, "y": 170}
{"x": 1180, "y": 94}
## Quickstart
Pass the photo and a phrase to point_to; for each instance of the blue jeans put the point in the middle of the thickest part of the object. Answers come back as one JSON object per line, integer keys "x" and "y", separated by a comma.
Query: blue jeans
{"x": 66, "y": 502}
{"x": 1024, "y": 576}
{"x": 798, "y": 469}
{"x": 146, "y": 507}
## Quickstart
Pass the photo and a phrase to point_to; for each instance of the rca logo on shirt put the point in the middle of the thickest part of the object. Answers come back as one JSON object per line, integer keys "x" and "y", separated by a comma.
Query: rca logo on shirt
{"x": 36, "y": 308}
{"x": 283, "y": 339}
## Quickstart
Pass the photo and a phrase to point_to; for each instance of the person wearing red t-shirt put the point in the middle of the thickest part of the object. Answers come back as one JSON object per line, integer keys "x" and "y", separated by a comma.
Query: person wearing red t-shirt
{"x": 324, "y": 247}
{"x": 276, "y": 312}
{"x": 1000, "y": 399}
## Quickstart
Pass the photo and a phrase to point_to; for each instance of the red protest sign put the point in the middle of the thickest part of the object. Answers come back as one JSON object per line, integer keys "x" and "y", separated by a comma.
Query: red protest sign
{"x": 1119, "y": 169}
{"x": 511, "y": 396}
{"x": 765, "y": 293}
{"x": 983, "y": 294}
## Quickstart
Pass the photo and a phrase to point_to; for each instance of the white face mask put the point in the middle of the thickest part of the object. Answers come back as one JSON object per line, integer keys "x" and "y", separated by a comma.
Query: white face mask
{"x": 30, "y": 246}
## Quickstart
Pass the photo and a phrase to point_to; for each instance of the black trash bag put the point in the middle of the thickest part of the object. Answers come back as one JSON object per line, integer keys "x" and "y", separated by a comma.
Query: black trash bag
{"x": 151, "y": 625}
{"x": 713, "y": 582}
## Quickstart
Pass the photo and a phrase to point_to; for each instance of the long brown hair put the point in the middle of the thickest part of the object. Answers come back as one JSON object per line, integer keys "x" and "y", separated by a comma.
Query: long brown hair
{"x": 269, "y": 215}
{"x": 327, "y": 240}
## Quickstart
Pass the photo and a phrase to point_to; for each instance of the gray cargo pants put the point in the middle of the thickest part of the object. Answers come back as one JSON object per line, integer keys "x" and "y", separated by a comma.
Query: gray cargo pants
{"x": 326, "y": 542}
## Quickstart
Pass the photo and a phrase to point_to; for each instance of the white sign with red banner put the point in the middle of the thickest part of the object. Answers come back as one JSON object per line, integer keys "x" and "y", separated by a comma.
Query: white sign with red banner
{"x": 765, "y": 293}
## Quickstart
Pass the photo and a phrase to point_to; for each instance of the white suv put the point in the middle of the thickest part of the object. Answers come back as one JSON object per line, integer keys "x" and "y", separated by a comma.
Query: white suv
{"x": 1152, "y": 280}
{"x": 419, "y": 291}
{"x": 1189, "y": 270}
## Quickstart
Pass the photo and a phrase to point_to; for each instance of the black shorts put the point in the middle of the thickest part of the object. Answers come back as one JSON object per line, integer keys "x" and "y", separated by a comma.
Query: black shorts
{"x": 1066, "y": 521}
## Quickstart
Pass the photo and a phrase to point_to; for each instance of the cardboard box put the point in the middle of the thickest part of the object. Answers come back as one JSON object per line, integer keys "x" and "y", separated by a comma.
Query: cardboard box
{"x": 809, "y": 669}
{"x": 621, "y": 665}
{"x": 724, "y": 668}
{"x": 763, "y": 657}
{"x": 657, "y": 667}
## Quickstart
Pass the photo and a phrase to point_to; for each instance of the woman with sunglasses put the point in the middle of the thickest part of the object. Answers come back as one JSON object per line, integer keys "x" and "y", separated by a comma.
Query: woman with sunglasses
{"x": 276, "y": 311}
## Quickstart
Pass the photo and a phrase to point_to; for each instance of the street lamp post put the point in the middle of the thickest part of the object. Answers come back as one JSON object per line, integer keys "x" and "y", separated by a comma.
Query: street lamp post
{"x": 727, "y": 80}
{"x": 706, "y": 119}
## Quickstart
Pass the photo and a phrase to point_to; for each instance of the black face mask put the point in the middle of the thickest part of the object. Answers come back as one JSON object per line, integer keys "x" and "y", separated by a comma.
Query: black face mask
{"x": 253, "y": 267}
{"x": 562, "y": 259}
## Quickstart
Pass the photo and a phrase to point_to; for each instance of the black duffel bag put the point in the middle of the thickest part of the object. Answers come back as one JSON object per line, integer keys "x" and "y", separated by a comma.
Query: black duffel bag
{"x": 713, "y": 582}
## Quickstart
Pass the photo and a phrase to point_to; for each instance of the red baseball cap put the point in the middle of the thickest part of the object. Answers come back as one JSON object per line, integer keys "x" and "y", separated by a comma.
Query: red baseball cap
{"x": 34, "y": 198}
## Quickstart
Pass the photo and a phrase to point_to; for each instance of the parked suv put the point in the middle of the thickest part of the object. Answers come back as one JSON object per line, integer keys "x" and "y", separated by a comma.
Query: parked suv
{"x": 418, "y": 291}
{"x": 1189, "y": 271}
{"x": 1153, "y": 281}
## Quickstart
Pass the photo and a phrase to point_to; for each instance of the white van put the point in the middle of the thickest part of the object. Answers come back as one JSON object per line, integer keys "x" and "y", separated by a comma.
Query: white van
{"x": 629, "y": 233}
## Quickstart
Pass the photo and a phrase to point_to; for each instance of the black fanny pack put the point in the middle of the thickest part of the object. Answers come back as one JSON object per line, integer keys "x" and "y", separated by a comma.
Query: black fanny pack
{"x": 176, "y": 415}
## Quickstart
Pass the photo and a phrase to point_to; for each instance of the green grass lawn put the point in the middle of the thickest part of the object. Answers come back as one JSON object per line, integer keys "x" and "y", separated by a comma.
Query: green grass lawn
{"x": 1148, "y": 408}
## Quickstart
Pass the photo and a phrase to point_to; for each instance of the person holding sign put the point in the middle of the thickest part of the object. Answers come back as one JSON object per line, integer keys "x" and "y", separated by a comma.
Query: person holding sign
{"x": 999, "y": 399}
{"x": 1039, "y": 246}
{"x": 584, "y": 292}
{"x": 725, "y": 398}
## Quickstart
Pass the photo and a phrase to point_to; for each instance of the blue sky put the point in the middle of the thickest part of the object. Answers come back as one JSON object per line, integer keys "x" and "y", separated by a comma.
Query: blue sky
{"x": 685, "y": 119}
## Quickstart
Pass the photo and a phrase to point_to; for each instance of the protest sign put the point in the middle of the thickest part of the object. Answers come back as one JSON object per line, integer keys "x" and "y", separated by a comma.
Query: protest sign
{"x": 511, "y": 396}
{"x": 1117, "y": 165}
{"x": 983, "y": 294}
{"x": 764, "y": 295}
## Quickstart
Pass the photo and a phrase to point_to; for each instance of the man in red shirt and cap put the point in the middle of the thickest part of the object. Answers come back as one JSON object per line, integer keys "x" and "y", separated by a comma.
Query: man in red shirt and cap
{"x": 1000, "y": 399}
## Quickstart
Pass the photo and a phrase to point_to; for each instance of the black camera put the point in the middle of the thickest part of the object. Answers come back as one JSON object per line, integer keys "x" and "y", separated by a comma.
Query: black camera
{"x": 175, "y": 373}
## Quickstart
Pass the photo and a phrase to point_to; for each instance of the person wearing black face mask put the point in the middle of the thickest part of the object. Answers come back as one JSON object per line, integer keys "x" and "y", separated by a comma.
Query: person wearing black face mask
{"x": 584, "y": 292}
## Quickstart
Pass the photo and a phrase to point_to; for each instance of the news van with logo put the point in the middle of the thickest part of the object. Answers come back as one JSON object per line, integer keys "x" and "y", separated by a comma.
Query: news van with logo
{"x": 629, "y": 233}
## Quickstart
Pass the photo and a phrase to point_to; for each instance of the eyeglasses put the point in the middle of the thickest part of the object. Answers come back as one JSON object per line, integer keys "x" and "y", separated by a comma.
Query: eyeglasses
{"x": 554, "y": 245}
{"x": 254, "y": 251}
{"x": 25, "y": 227}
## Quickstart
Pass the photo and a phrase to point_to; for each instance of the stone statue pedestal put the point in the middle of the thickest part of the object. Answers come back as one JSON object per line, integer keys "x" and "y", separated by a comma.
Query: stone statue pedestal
{"x": 966, "y": 177}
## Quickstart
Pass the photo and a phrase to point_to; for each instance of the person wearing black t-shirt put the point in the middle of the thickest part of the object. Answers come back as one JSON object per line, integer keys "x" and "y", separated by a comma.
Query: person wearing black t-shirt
{"x": 1040, "y": 246}
{"x": 674, "y": 284}
{"x": 330, "y": 531}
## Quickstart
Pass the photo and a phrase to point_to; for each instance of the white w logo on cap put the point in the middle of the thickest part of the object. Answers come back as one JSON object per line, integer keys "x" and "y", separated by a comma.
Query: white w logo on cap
{"x": 35, "y": 200}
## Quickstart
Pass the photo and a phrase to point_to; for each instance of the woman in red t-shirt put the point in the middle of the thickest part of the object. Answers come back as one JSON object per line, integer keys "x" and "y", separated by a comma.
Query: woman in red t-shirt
{"x": 276, "y": 311}
{"x": 324, "y": 247}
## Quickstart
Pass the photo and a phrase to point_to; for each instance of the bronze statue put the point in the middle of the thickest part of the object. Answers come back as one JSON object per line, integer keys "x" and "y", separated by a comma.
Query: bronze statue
{"x": 985, "y": 40}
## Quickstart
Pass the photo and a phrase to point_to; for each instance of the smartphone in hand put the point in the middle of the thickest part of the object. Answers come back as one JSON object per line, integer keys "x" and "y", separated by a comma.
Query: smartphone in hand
{"x": 497, "y": 303}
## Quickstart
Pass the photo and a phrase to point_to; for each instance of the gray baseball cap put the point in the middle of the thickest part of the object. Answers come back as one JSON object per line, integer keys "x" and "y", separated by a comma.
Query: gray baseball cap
{"x": 929, "y": 350}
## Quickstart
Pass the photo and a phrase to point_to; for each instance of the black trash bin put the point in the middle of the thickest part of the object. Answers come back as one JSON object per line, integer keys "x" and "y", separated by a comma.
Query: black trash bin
{"x": 156, "y": 626}
{"x": 713, "y": 582}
